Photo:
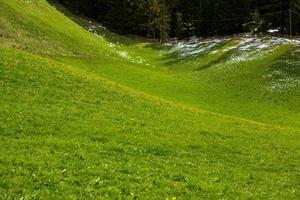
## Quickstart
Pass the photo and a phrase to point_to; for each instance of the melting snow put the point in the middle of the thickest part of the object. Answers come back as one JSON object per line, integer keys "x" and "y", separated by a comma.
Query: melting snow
{"x": 281, "y": 80}
{"x": 283, "y": 84}
{"x": 123, "y": 54}
{"x": 101, "y": 27}
{"x": 251, "y": 48}
{"x": 194, "y": 46}
{"x": 248, "y": 49}
{"x": 112, "y": 45}
{"x": 273, "y": 30}
{"x": 247, "y": 46}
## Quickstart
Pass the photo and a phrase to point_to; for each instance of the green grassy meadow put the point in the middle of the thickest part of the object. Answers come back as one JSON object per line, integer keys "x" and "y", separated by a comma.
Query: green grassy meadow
{"x": 88, "y": 114}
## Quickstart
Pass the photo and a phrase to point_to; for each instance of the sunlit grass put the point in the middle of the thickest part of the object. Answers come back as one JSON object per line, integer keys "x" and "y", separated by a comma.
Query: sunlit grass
{"x": 86, "y": 116}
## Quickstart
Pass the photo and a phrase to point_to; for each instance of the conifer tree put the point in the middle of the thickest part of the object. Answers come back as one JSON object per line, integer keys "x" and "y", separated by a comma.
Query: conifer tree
{"x": 160, "y": 19}
{"x": 179, "y": 32}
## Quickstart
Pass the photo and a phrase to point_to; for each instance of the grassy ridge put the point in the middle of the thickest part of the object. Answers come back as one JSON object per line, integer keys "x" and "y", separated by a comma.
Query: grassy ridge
{"x": 223, "y": 89}
{"x": 64, "y": 129}
{"x": 152, "y": 69}
{"x": 216, "y": 85}
{"x": 82, "y": 117}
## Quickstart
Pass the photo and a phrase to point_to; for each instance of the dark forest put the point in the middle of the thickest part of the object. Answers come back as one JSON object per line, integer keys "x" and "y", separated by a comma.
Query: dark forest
{"x": 179, "y": 18}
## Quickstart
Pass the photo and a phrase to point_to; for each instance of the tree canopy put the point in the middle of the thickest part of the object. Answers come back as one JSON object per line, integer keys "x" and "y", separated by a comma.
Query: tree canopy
{"x": 181, "y": 18}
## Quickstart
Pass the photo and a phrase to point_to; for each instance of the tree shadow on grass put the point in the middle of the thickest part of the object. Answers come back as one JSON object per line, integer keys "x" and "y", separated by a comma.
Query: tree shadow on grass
{"x": 175, "y": 58}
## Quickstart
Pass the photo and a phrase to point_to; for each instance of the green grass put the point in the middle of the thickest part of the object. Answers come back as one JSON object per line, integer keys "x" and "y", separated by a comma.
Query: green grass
{"x": 79, "y": 119}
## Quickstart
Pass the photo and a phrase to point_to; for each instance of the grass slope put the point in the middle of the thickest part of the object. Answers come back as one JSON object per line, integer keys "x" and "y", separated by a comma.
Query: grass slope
{"x": 87, "y": 116}
{"x": 140, "y": 65}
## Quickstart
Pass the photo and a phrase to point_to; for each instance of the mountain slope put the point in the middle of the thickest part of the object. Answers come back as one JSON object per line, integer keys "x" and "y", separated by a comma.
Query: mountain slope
{"x": 79, "y": 118}
{"x": 260, "y": 88}
{"x": 63, "y": 129}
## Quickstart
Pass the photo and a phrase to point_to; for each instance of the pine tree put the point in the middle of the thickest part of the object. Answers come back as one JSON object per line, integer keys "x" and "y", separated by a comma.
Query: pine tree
{"x": 179, "y": 32}
{"x": 256, "y": 22}
{"x": 164, "y": 18}
{"x": 158, "y": 17}
{"x": 164, "y": 22}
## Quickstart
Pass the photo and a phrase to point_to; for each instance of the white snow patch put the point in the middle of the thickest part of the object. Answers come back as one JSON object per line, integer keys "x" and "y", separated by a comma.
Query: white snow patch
{"x": 101, "y": 26}
{"x": 254, "y": 47}
{"x": 282, "y": 81}
{"x": 124, "y": 54}
{"x": 263, "y": 46}
{"x": 283, "y": 84}
{"x": 273, "y": 30}
{"x": 249, "y": 48}
{"x": 229, "y": 48}
{"x": 112, "y": 45}
{"x": 194, "y": 46}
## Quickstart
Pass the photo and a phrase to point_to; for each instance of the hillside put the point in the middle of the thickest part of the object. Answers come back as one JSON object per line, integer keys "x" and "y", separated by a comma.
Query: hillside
{"x": 88, "y": 114}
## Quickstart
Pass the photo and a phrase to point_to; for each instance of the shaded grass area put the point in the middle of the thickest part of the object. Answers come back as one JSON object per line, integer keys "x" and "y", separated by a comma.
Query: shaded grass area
{"x": 202, "y": 60}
